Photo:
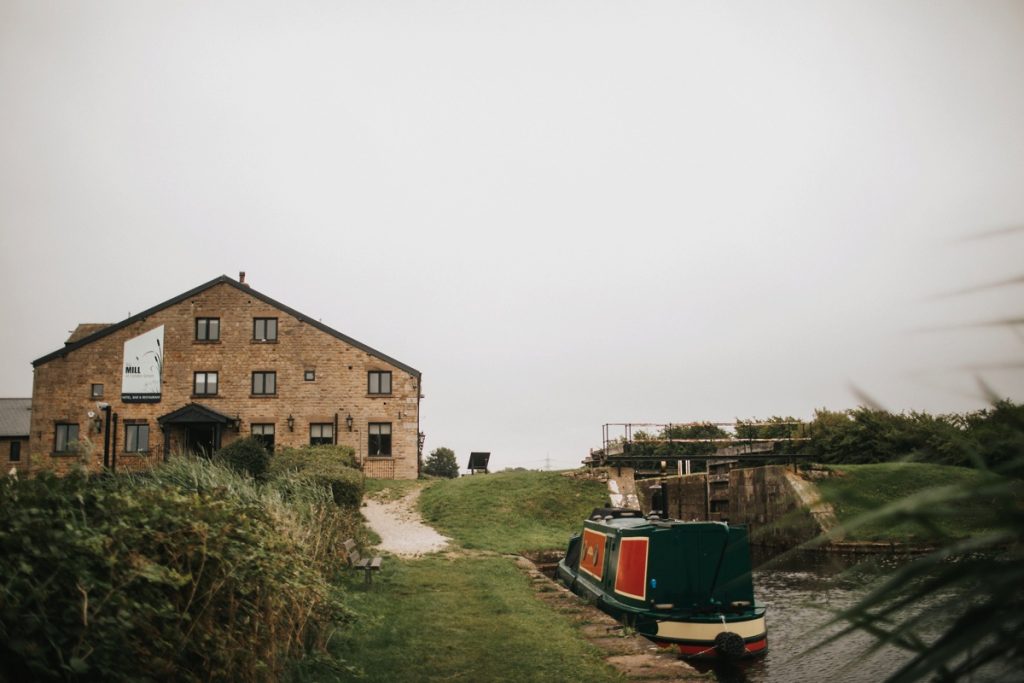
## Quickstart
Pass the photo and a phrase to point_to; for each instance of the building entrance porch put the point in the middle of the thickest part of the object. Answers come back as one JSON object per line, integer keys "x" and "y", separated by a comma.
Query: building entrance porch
{"x": 195, "y": 429}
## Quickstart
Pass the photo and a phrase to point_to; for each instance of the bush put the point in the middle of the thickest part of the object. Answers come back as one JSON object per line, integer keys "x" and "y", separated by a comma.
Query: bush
{"x": 155, "y": 578}
{"x": 330, "y": 466}
{"x": 441, "y": 463}
{"x": 870, "y": 435}
{"x": 246, "y": 455}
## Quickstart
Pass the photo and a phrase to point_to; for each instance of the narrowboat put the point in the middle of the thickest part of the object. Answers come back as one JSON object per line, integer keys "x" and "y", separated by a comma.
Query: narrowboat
{"x": 681, "y": 584}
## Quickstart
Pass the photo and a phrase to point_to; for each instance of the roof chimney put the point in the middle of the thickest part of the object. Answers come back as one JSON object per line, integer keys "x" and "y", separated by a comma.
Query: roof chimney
{"x": 241, "y": 278}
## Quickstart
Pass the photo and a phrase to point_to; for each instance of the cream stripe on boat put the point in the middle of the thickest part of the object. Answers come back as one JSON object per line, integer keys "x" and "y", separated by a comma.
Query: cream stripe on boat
{"x": 680, "y": 630}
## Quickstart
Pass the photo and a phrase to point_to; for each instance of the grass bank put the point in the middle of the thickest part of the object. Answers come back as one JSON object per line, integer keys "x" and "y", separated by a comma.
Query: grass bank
{"x": 511, "y": 511}
{"x": 468, "y": 618}
{"x": 856, "y": 491}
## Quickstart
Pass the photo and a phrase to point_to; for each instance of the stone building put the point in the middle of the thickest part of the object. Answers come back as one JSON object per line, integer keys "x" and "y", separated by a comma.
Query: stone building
{"x": 14, "y": 427}
{"x": 214, "y": 364}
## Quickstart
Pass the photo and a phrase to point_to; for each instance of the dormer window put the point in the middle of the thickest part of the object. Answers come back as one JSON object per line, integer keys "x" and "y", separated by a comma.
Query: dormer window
{"x": 264, "y": 329}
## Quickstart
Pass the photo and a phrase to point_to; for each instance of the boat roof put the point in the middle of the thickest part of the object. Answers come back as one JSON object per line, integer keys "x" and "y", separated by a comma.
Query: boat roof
{"x": 629, "y": 522}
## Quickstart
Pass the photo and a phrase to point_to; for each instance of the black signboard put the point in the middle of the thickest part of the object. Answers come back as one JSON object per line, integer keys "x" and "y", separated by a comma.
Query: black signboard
{"x": 478, "y": 462}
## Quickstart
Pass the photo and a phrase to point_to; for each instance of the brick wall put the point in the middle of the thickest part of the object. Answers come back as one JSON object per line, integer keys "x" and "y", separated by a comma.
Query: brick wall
{"x": 62, "y": 386}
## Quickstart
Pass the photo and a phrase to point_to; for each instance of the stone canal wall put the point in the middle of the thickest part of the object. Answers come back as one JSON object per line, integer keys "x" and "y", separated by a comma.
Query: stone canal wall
{"x": 780, "y": 507}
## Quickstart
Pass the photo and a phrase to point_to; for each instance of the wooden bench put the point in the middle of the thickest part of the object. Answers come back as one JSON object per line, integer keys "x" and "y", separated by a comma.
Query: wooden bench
{"x": 355, "y": 561}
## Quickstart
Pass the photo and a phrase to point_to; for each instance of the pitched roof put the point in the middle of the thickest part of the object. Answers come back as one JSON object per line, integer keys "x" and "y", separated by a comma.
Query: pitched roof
{"x": 84, "y": 330}
{"x": 223, "y": 279}
{"x": 15, "y": 416}
{"x": 194, "y": 412}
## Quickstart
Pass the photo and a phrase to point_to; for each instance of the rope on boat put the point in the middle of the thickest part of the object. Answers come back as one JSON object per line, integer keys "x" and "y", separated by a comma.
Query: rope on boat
{"x": 702, "y": 652}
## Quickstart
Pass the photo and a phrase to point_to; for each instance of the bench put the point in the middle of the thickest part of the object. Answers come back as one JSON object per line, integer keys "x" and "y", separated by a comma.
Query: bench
{"x": 355, "y": 561}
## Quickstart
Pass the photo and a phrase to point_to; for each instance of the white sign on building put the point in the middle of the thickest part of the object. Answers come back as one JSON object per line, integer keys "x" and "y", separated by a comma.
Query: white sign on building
{"x": 143, "y": 366}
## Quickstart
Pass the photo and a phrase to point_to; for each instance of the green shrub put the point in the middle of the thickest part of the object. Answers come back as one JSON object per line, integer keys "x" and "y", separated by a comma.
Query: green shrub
{"x": 331, "y": 466}
{"x": 246, "y": 455}
{"x": 143, "y": 578}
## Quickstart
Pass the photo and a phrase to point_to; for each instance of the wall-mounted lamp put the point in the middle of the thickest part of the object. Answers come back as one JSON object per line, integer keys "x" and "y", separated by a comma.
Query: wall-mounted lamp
{"x": 348, "y": 422}
{"x": 291, "y": 423}
{"x": 237, "y": 421}
{"x": 98, "y": 424}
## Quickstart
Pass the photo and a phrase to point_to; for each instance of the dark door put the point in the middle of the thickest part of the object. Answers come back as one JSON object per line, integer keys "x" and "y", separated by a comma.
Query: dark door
{"x": 199, "y": 439}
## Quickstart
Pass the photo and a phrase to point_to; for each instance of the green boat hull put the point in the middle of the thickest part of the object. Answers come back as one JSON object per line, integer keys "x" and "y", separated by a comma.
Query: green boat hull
{"x": 682, "y": 584}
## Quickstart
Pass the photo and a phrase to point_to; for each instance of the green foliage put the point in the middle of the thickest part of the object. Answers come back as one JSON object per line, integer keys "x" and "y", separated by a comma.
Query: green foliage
{"x": 441, "y": 463}
{"x": 997, "y": 437}
{"x": 866, "y": 435}
{"x": 186, "y": 573}
{"x": 330, "y": 466}
{"x": 690, "y": 439}
{"x": 511, "y": 511}
{"x": 774, "y": 427}
{"x": 246, "y": 455}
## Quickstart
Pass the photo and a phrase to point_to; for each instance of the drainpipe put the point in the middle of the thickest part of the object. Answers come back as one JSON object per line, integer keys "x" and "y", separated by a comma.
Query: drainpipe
{"x": 419, "y": 449}
{"x": 106, "y": 434}
{"x": 335, "y": 429}
{"x": 113, "y": 451}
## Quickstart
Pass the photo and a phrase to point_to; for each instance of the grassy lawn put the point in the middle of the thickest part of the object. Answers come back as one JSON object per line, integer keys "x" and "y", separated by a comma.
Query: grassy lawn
{"x": 511, "y": 511}
{"x": 443, "y": 618}
{"x": 862, "y": 489}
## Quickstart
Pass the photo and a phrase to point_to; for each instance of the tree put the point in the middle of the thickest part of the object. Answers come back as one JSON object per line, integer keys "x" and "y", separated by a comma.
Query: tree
{"x": 441, "y": 463}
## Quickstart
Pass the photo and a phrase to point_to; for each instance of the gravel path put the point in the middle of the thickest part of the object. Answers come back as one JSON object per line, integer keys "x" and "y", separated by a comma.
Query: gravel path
{"x": 400, "y": 527}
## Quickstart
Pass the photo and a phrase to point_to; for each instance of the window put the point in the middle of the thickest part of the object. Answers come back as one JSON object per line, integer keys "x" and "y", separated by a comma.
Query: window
{"x": 136, "y": 438}
{"x": 379, "y": 383}
{"x": 264, "y": 329}
{"x": 264, "y": 433}
{"x": 309, "y": 375}
{"x": 97, "y": 391}
{"x": 67, "y": 435}
{"x": 380, "y": 438}
{"x": 321, "y": 434}
{"x": 204, "y": 384}
{"x": 264, "y": 383}
{"x": 15, "y": 451}
{"x": 207, "y": 329}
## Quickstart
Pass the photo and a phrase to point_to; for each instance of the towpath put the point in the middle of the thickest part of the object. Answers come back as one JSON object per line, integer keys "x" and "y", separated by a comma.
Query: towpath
{"x": 401, "y": 530}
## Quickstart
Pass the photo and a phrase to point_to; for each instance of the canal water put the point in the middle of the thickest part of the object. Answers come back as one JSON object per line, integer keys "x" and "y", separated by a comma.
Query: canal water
{"x": 803, "y": 590}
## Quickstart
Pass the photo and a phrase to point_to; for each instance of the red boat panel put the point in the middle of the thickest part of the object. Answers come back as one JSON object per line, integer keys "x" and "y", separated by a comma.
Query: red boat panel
{"x": 592, "y": 557}
{"x": 631, "y": 572}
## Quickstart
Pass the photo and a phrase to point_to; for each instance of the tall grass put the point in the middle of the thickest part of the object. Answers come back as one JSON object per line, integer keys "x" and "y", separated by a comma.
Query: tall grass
{"x": 187, "y": 572}
{"x": 302, "y": 505}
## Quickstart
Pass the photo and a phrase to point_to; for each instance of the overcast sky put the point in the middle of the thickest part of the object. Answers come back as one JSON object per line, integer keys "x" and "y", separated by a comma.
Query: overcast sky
{"x": 562, "y": 213}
